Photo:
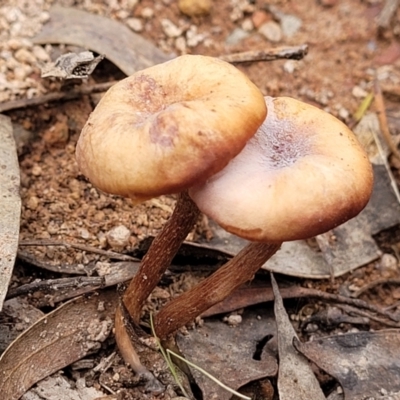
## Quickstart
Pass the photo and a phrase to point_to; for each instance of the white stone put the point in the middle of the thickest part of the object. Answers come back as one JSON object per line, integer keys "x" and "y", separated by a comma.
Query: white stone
{"x": 247, "y": 25}
{"x": 233, "y": 319}
{"x": 271, "y": 31}
{"x": 358, "y": 92}
{"x": 170, "y": 29}
{"x": 118, "y": 236}
{"x": 135, "y": 24}
{"x": 40, "y": 53}
{"x": 147, "y": 13}
{"x": 290, "y": 25}
{"x": 25, "y": 56}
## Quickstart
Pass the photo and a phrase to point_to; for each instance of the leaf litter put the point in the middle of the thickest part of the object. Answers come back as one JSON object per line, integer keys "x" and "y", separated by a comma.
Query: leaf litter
{"x": 58, "y": 339}
{"x": 10, "y": 204}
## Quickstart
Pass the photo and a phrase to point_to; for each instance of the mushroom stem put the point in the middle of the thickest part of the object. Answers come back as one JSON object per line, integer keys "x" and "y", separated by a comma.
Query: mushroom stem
{"x": 160, "y": 254}
{"x": 214, "y": 288}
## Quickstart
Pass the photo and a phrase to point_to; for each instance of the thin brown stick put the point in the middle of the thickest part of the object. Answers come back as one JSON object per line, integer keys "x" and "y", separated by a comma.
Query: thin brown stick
{"x": 381, "y": 111}
{"x": 264, "y": 294}
{"x": 214, "y": 288}
{"x": 387, "y": 13}
{"x": 83, "y": 247}
{"x": 90, "y": 283}
{"x": 160, "y": 254}
{"x": 353, "y": 310}
{"x": 57, "y": 96}
{"x": 72, "y": 269}
{"x": 279, "y": 53}
{"x": 373, "y": 284}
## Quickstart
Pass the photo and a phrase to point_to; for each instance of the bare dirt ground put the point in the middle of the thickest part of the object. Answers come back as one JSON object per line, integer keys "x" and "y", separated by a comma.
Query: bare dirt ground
{"x": 347, "y": 51}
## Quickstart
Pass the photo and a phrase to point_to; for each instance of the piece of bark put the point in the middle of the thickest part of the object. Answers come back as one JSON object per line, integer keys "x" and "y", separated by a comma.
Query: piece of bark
{"x": 127, "y": 50}
{"x": 10, "y": 204}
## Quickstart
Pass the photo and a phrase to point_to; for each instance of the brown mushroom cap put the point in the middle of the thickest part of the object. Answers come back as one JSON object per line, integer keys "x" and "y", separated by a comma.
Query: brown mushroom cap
{"x": 167, "y": 127}
{"x": 302, "y": 174}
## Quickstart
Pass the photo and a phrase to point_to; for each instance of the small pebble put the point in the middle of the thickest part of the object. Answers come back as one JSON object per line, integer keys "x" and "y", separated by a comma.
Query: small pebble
{"x": 40, "y": 53}
{"x": 83, "y": 233}
{"x": 193, "y": 38}
{"x": 358, "y": 92}
{"x": 21, "y": 72}
{"x": 13, "y": 14}
{"x": 247, "y": 25}
{"x": 388, "y": 263}
{"x": 25, "y": 56}
{"x": 116, "y": 377}
{"x": 236, "y": 36}
{"x": 271, "y": 31}
{"x": 147, "y": 13}
{"x": 290, "y": 66}
{"x": 122, "y": 14}
{"x": 343, "y": 113}
{"x": 135, "y": 24}
{"x": 32, "y": 203}
{"x": 290, "y": 25}
{"x": 233, "y": 319}
{"x": 236, "y": 15}
{"x": 36, "y": 170}
{"x": 170, "y": 29}
{"x": 195, "y": 8}
{"x": 118, "y": 237}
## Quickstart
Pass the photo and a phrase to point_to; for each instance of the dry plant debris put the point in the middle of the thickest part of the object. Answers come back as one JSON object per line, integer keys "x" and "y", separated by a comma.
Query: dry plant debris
{"x": 55, "y": 341}
{"x": 295, "y": 376}
{"x": 10, "y": 204}
{"x": 364, "y": 363}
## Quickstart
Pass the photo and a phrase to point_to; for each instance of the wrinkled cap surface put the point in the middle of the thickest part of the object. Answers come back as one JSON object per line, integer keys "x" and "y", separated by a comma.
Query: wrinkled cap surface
{"x": 168, "y": 127}
{"x": 302, "y": 174}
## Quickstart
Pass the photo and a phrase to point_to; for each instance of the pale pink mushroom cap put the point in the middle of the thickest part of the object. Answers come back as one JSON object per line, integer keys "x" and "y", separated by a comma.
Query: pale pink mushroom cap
{"x": 168, "y": 127}
{"x": 302, "y": 174}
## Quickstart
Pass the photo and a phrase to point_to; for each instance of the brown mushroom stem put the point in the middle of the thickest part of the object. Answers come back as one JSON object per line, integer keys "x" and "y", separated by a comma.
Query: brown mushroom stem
{"x": 213, "y": 289}
{"x": 160, "y": 254}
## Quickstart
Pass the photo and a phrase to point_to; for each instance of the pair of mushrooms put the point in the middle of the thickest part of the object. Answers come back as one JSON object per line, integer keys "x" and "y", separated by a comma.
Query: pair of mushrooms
{"x": 266, "y": 169}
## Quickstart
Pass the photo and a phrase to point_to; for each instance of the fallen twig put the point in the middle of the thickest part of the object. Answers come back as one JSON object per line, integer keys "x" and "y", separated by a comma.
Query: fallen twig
{"x": 70, "y": 95}
{"x": 293, "y": 53}
{"x": 264, "y": 294}
{"x": 381, "y": 112}
{"x": 58, "y": 285}
{"x": 90, "y": 249}
{"x": 279, "y": 53}
{"x": 73, "y": 269}
{"x": 373, "y": 284}
{"x": 387, "y": 13}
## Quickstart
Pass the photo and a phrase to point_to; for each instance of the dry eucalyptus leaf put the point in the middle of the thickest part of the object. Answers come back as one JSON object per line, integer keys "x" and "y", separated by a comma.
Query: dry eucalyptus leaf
{"x": 366, "y": 364}
{"x": 10, "y": 204}
{"x": 62, "y": 337}
{"x": 296, "y": 379}
{"x": 20, "y": 315}
{"x": 72, "y": 66}
{"x": 127, "y": 50}
{"x": 230, "y": 353}
{"x": 58, "y": 388}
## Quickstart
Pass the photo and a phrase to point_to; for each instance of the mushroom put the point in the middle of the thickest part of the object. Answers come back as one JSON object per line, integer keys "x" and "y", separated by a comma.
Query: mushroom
{"x": 302, "y": 174}
{"x": 161, "y": 131}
